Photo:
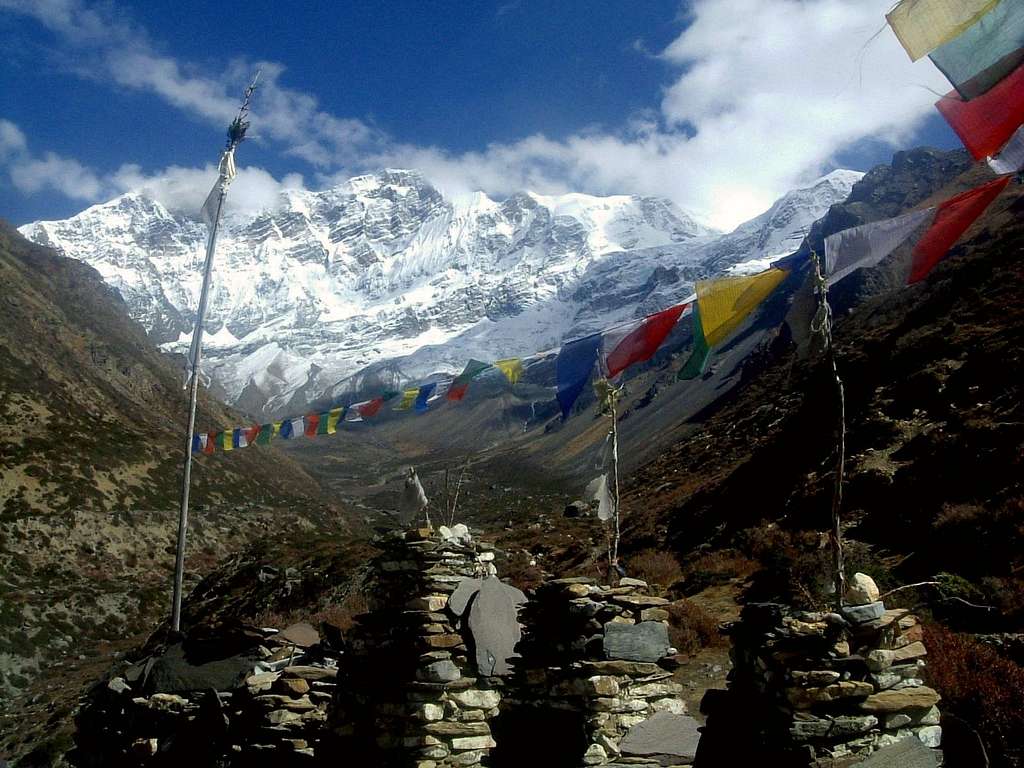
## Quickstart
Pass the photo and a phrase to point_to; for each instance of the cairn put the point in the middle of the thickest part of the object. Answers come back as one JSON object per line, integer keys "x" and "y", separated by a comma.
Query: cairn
{"x": 603, "y": 653}
{"x": 824, "y": 689}
{"x": 417, "y": 687}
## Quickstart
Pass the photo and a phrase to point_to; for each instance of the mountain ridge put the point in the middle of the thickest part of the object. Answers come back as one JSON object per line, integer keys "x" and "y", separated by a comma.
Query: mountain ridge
{"x": 382, "y": 269}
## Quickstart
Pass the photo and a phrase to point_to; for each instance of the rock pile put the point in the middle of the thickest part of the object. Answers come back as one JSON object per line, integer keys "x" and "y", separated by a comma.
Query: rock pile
{"x": 246, "y": 698}
{"x": 411, "y": 689}
{"x": 603, "y": 653}
{"x": 823, "y": 689}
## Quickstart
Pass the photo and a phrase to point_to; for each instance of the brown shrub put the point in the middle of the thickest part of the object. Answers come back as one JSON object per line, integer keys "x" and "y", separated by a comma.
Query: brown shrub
{"x": 341, "y": 615}
{"x": 715, "y": 568}
{"x": 691, "y": 628}
{"x": 655, "y": 567}
{"x": 981, "y": 687}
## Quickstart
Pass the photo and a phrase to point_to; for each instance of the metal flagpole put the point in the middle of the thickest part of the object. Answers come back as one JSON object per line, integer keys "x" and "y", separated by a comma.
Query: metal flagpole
{"x": 236, "y": 134}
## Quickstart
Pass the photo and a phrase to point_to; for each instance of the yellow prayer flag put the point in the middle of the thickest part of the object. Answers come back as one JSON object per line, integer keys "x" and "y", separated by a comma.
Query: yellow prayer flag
{"x": 512, "y": 368}
{"x": 227, "y": 440}
{"x": 332, "y": 420}
{"x": 408, "y": 398}
{"x": 924, "y": 25}
{"x": 724, "y": 303}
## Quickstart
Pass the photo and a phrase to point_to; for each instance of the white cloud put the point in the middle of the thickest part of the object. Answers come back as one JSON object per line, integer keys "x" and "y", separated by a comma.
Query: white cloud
{"x": 51, "y": 171}
{"x": 184, "y": 189}
{"x": 12, "y": 140}
{"x": 767, "y": 93}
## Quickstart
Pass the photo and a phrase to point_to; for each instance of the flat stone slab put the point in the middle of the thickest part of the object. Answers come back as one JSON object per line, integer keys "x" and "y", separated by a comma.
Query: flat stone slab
{"x": 909, "y": 753}
{"x": 301, "y": 634}
{"x": 675, "y": 736}
{"x": 646, "y": 641}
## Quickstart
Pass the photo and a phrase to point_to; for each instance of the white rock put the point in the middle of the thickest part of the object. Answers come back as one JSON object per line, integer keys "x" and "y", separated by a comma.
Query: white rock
{"x": 861, "y": 590}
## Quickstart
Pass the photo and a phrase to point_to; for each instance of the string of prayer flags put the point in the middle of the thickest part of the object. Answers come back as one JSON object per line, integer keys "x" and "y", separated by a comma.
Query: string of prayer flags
{"x": 512, "y": 368}
{"x": 408, "y": 398}
{"x": 989, "y": 50}
{"x": 635, "y": 342}
{"x": 573, "y": 366}
{"x": 868, "y": 244}
{"x": 460, "y": 383}
{"x": 984, "y": 124}
{"x": 423, "y": 395}
{"x": 923, "y": 25}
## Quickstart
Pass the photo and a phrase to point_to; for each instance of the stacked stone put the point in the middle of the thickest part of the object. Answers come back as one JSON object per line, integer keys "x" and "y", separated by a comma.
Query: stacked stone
{"x": 603, "y": 652}
{"x": 235, "y": 711}
{"x": 409, "y": 692}
{"x": 828, "y": 689}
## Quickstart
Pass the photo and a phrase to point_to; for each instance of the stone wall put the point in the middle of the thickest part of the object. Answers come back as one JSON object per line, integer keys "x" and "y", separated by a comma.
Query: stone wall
{"x": 822, "y": 688}
{"x": 239, "y": 697}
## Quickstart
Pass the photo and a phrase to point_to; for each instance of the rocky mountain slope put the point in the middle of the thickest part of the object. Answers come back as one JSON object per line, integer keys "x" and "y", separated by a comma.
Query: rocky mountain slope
{"x": 383, "y": 276}
{"x": 91, "y": 416}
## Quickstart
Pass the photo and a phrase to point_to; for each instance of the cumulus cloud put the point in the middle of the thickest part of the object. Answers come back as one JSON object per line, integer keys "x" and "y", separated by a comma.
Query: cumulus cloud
{"x": 184, "y": 189}
{"x": 765, "y": 94}
{"x": 180, "y": 189}
{"x": 769, "y": 92}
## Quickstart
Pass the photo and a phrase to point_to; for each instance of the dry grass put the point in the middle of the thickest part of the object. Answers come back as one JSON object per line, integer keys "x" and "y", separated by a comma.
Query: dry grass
{"x": 691, "y": 628}
{"x": 655, "y": 567}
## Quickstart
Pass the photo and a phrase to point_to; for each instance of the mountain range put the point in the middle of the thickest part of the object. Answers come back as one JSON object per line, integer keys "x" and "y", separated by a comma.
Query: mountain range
{"x": 382, "y": 279}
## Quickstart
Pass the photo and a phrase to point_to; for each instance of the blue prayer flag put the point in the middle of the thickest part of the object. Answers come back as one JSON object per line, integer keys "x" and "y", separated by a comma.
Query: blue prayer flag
{"x": 572, "y": 369}
{"x": 424, "y": 394}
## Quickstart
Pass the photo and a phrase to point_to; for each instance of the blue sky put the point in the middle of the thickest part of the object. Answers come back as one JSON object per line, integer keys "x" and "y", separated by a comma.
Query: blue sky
{"x": 720, "y": 105}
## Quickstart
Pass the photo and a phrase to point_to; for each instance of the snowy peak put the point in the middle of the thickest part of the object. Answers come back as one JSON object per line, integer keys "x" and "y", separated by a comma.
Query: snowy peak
{"x": 383, "y": 273}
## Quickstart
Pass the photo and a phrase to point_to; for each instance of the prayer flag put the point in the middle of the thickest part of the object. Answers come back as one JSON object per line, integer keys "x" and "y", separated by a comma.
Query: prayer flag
{"x": 1011, "y": 157}
{"x": 457, "y": 391}
{"x": 989, "y": 50}
{"x": 238, "y": 437}
{"x": 198, "y": 443}
{"x": 512, "y": 368}
{"x": 635, "y": 342}
{"x": 952, "y": 219}
{"x": 725, "y": 302}
{"x": 267, "y": 433}
{"x": 408, "y": 398}
{"x": 286, "y": 429}
{"x": 698, "y": 359}
{"x": 367, "y": 409}
{"x": 312, "y": 421}
{"x": 424, "y": 394}
{"x": 251, "y": 433}
{"x": 332, "y": 418}
{"x": 226, "y": 173}
{"x": 986, "y": 123}
{"x": 227, "y": 440}
{"x": 208, "y": 443}
{"x": 572, "y": 369}
{"x": 923, "y": 25}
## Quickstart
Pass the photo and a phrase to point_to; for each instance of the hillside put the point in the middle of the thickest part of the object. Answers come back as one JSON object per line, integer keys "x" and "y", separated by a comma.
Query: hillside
{"x": 91, "y": 416}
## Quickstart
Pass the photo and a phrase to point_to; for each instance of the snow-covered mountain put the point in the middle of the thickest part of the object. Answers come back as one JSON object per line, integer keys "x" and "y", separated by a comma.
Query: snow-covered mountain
{"x": 384, "y": 276}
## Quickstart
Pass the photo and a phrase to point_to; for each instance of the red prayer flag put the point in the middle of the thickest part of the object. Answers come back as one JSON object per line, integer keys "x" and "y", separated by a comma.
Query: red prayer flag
{"x": 984, "y": 124}
{"x": 952, "y": 219}
{"x": 312, "y": 421}
{"x": 457, "y": 391}
{"x": 371, "y": 408}
{"x": 641, "y": 343}
{"x": 210, "y": 442}
{"x": 252, "y": 433}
